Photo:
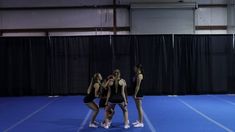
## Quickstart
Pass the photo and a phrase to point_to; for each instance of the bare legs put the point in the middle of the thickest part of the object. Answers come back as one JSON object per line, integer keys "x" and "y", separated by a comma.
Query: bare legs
{"x": 109, "y": 116}
{"x": 125, "y": 113}
{"x": 94, "y": 107}
{"x": 138, "y": 103}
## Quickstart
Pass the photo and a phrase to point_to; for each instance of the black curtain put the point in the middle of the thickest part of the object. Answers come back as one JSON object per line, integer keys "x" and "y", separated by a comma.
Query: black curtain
{"x": 230, "y": 64}
{"x": 76, "y": 59}
{"x": 173, "y": 64}
{"x": 192, "y": 64}
{"x": 155, "y": 53}
{"x": 201, "y": 63}
{"x": 24, "y": 66}
{"x": 121, "y": 53}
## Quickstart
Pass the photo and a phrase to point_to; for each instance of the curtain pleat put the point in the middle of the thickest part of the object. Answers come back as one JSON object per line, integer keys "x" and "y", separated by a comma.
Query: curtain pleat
{"x": 173, "y": 64}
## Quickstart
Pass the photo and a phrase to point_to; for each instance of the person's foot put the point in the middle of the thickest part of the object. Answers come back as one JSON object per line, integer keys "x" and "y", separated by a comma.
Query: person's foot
{"x": 109, "y": 123}
{"x": 136, "y": 122}
{"x": 106, "y": 126}
{"x": 102, "y": 124}
{"x": 93, "y": 125}
{"x": 126, "y": 126}
{"x": 96, "y": 123}
{"x": 139, "y": 125}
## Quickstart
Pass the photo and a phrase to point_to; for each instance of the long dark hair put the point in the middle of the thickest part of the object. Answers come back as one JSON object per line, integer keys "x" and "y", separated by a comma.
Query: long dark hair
{"x": 94, "y": 79}
{"x": 140, "y": 67}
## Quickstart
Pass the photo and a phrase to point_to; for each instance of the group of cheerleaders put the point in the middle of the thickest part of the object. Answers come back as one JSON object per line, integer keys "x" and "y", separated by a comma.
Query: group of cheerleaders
{"x": 113, "y": 91}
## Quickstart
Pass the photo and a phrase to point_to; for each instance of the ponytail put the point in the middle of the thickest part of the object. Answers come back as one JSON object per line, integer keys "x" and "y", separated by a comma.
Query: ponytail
{"x": 140, "y": 67}
{"x": 93, "y": 80}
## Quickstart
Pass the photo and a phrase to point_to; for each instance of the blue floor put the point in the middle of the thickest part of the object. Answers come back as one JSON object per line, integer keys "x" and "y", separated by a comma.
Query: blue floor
{"x": 194, "y": 113}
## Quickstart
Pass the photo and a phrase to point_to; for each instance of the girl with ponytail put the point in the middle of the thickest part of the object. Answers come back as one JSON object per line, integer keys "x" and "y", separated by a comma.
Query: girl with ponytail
{"x": 92, "y": 93}
{"x": 138, "y": 94}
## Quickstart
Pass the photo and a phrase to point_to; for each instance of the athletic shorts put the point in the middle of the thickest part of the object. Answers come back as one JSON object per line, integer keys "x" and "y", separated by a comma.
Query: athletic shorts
{"x": 140, "y": 94}
{"x": 115, "y": 99}
{"x": 102, "y": 102}
{"x": 88, "y": 98}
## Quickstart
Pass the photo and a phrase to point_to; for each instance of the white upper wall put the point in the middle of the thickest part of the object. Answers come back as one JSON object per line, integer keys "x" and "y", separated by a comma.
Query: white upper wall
{"x": 162, "y": 21}
{"x": 75, "y": 18}
{"x": 197, "y": 1}
{"x": 59, "y": 18}
{"x": 69, "y": 18}
{"x": 231, "y": 16}
{"x": 211, "y": 16}
{"x": 43, "y": 3}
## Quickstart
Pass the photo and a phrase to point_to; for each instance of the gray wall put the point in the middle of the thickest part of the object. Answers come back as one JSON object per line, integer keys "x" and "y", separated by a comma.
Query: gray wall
{"x": 162, "y": 21}
{"x": 158, "y": 21}
{"x": 64, "y": 18}
{"x": 231, "y": 16}
{"x": 43, "y": 3}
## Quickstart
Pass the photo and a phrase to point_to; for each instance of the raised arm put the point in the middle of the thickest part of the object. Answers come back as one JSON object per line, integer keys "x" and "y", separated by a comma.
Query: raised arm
{"x": 90, "y": 86}
{"x": 97, "y": 87}
{"x": 109, "y": 83}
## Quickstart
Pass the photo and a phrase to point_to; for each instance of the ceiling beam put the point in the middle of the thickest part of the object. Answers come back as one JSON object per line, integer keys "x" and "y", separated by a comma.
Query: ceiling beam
{"x": 66, "y": 7}
{"x": 209, "y": 27}
{"x": 211, "y": 5}
{"x": 81, "y": 29}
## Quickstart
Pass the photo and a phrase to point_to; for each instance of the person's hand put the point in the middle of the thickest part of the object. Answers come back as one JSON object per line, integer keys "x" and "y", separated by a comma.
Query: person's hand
{"x": 110, "y": 77}
{"x": 97, "y": 96}
{"x": 134, "y": 96}
{"x": 106, "y": 108}
{"x": 125, "y": 103}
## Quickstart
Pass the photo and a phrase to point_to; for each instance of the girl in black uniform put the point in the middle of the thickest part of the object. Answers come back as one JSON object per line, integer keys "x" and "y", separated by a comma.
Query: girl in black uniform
{"x": 92, "y": 93}
{"x": 104, "y": 91}
{"x": 116, "y": 95}
{"x": 138, "y": 94}
{"x": 103, "y": 97}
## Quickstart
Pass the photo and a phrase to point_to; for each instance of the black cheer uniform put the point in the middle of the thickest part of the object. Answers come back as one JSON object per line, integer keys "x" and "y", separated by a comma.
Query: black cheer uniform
{"x": 103, "y": 97}
{"x": 116, "y": 93}
{"x": 140, "y": 92}
{"x": 91, "y": 96}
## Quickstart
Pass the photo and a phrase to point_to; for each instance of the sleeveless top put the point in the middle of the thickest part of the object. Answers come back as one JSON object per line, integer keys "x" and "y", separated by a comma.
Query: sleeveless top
{"x": 116, "y": 90}
{"x": 91, "y": 96}
{"x": 92, "y": 92}
{"x": 140, "y": 92}
{"x": 104, "y": 92}
{"x": 116, "y": 93}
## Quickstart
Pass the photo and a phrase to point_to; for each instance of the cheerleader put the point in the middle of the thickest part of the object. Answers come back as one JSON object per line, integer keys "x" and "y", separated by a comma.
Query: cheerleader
{"x": 92, "y": 93}
{"x": 116, "y": 95}
{"x": 138, "y": 94}
{"x": 109, "y": 112}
